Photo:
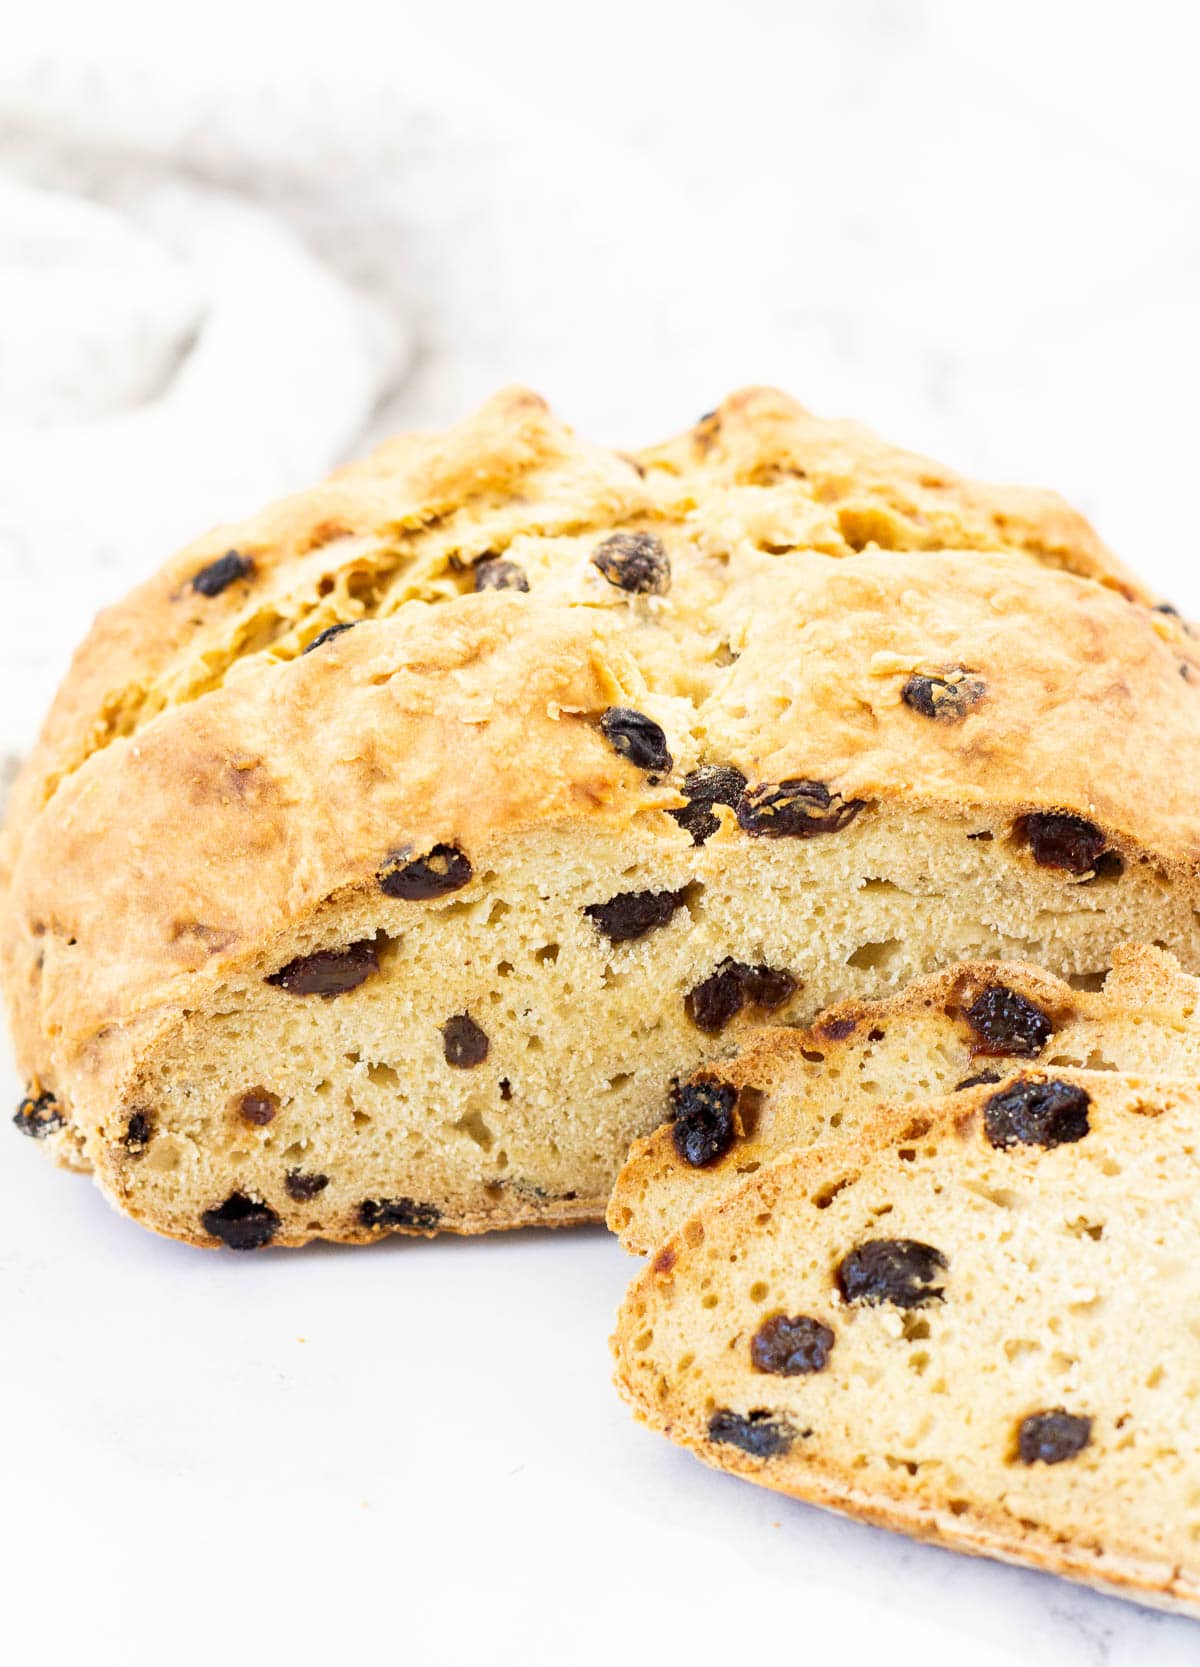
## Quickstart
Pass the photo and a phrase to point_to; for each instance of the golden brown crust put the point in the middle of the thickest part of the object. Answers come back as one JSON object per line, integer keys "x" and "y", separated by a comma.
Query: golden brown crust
{"x": 673, "y": 1400}
{"x": 827, "y": 1078}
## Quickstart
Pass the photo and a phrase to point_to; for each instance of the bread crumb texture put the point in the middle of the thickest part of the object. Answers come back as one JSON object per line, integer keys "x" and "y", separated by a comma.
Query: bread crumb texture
{"x": 386, "y": 857}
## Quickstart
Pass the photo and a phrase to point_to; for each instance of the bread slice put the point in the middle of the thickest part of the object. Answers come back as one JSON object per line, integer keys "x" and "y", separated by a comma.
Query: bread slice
{"x": 322, "y": 932}
{"x": 785, "y": 1089}
{"x": 975, "y": 1324}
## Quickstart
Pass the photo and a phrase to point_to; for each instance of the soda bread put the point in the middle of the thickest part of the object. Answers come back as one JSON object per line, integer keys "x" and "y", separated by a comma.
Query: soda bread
{"x": 975, "y": 1323}
{"x": 378, "y": 857}
{"x": 785, "y": 1089}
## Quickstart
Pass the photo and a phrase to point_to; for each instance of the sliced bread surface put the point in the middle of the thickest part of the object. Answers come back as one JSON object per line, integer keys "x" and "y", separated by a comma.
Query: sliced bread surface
{"x": 976, "y": 1325}
{"x": 788, "y": 1088}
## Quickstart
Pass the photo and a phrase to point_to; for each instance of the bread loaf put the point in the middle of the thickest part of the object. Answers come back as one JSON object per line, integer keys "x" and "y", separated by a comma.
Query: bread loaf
{"x": 375, "y": 851}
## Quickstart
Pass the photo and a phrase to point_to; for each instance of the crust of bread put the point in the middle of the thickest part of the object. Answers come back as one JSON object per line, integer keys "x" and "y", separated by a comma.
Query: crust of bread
{"x": 1145, "y": 1017}
{"x": 952, "y": 1125}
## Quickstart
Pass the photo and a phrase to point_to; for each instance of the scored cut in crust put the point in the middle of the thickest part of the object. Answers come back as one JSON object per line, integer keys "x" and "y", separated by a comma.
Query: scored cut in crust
{"x": 989, "y": 1345}
{"x": 785, "y": 1089}
{"x": 316, "y": 932}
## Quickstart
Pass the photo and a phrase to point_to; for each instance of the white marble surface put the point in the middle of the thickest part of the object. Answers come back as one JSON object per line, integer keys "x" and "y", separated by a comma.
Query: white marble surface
{"x": 974, "y": 225}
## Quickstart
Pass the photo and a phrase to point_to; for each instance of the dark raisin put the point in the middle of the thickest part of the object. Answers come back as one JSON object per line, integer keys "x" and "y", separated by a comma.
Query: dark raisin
{"x": 899, "y": 1271}
{"x": 329, "y": 633}
{"x": 837, "y": 1030}
{"x": 303, "y": 1187}
{"x": 463, "y": 1042}
{"x": 242, "y": 1223}
{"x": 762, "y": 1434}
{"x": 40, "y": 1115}
{"x": 720, "y": 997}
{"x": 258, "y": 1106}
{"x": 398, "y": 1212}
{"x": 1008, "y": 1023}
{"x": 794, "y": 809}
{"x": 1167, "y": 608}
{"x": 704, "y": 1127}
{"x": 505, "y": 1089}
{"x": 1062, "y": 841}
{"x": 137, "y": 1132}
{"x": 1051, "y": 1437}
{"x": 716, "y": 999}
{"x": 976, "y": 1082}
{"x": 631, "y": 914}
{"x": 711, "y": 784}
{"x": 1046, "y": 1114}
{"x": 636, "y": 562}
{"x": 495, "y": 574}
{"x": 220, "y": 574}
{"x": 441, "y": 870}
{"x": 768, "y": 987}
{"x": 948, "y": 697}
{"x": 329, "y": 972}
{"x": 637, "y": 738}
{"x": 791, "y": 1345}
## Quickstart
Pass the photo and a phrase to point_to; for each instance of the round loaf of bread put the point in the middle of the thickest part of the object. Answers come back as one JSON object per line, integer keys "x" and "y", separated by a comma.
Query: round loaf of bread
{"x": 385, "y": 857}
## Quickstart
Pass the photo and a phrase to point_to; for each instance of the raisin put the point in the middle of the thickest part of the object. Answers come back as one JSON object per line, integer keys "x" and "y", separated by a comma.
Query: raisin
{"x": 137, "y": 1133}
{"x": 790, "y": 1345}
{"x": 704, "y": 1127}
{"x": 794, "y": 809}
{"x": 1008, "y": 1023}
{"x": 637, "y": 738}
{"x": 762, "y": 1434}
{"x": 242, "y": 1223}
{"x": 636, "y": 562}
{"x": 39, "y": 1116}
{"x": 220, "y": 574}
{"x": 711, "y": 784}
{"x": 716, "y": 999}
{"x": 443, "y": 869}
{"x": 463, "y": 1042}
{"x": 1051, "y": 1437}
{"x": 976, "y": 1082}
{"x": 1045, "y": 1114}
{"x": 631, "y": 914}
{"x": 329, "y": 972}
{"x": 768, "y": 987}
{"x": 899, "y": 1271}
{"x": 492, "y": 573}
{"x": 303, "y": 1187}
{"x": 948, "y": 698}
{"x": 258, "y": 1106}
{"x": 398, "y": 1212}
{"x": 329, "y": 633}
{"x": 1062, "y": 841}
{"x": 837, "y": 1030}
{"x": 720, "y": 997}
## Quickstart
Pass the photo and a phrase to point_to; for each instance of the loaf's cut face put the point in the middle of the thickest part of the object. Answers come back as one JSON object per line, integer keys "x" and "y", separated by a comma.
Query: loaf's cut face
{"x": 789, "y": 1088}
{"x": 975, "y": 1324}
{"x": 385, "y": 858}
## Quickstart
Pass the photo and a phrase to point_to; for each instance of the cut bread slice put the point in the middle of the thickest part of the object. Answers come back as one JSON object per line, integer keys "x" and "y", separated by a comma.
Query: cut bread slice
{"x": 975, "y": 1324}
{"x": 786, "y": 1089}
{"x": 323, "y": 932}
